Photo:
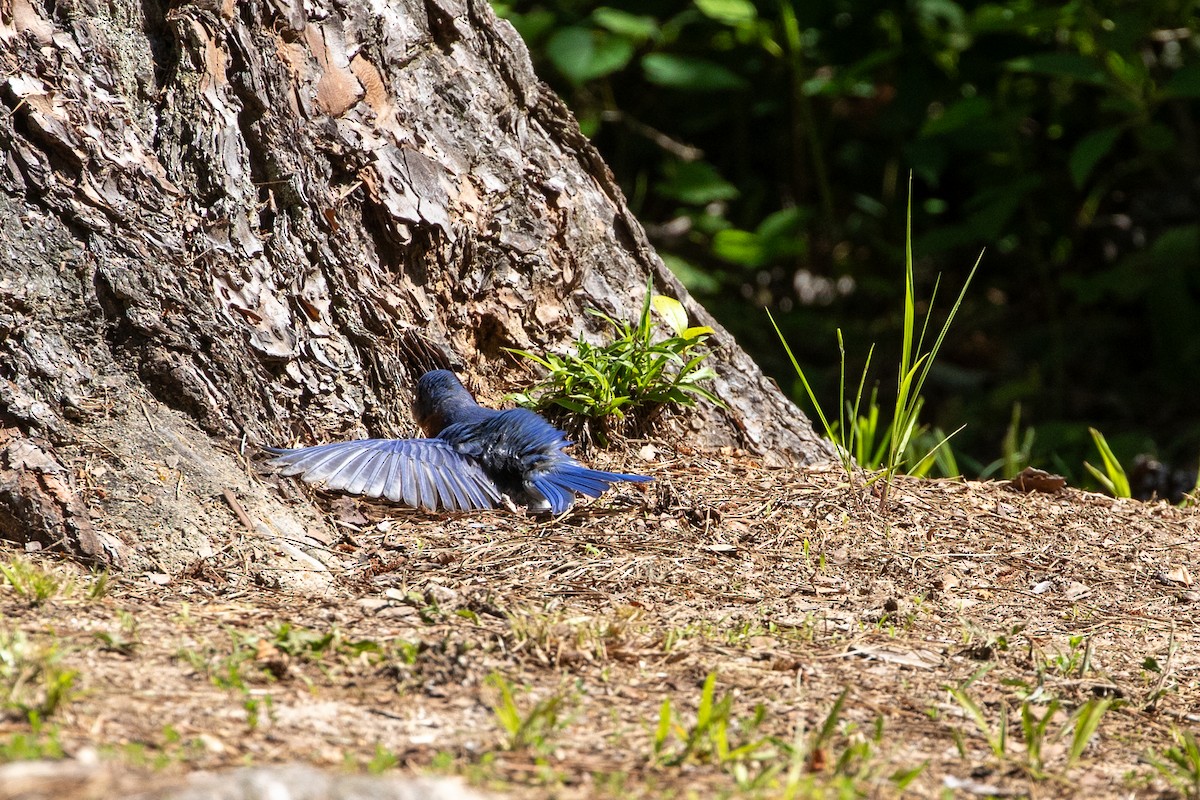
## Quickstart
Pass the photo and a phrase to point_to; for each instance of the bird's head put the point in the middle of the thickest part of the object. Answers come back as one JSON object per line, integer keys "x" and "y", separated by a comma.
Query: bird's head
{"x": 439, "y": 396}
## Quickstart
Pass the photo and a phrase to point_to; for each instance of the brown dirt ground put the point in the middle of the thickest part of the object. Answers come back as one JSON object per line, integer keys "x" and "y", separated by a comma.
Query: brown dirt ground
{"x": 790, "y": 585}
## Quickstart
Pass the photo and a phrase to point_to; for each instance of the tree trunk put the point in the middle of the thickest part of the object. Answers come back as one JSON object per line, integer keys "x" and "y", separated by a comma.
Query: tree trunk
{"x": 234, "y": 223}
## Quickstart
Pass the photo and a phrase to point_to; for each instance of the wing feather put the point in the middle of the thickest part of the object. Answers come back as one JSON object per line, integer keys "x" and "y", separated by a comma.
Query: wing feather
{"x": 422, "y": 473}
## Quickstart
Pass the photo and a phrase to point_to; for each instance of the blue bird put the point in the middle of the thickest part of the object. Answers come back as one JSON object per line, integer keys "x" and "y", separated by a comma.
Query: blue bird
{"x": 472, "y": 458}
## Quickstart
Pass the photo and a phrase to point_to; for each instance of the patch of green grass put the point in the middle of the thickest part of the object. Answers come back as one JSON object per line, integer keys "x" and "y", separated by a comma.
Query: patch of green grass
{"x": 868, "y": 440}
{"x": 550, "y": 633}
{"x": 526, "y": 728}
{"x": 304, "y": 642}
{"x": 257, "y": 707}
{"x": 100, "y": 585}
{"x": 228, "y": 670}
{"x": 32, "y": 582}
{"x": 1076, "y": 661}
{"x": 123, "y": 640}
{"x": 383, "y": 760}
{"x": 707, "y": 740}
{"x": 1036, "y": 730}
{"x": 836, "y": 759}
{"x": 251, "y": 658}
{"x": 33, "y": 684}
{"x": 1016, "y": 449}
{"x": 635, "y": 373}
{"x": 1191, "y": 498}
{"x": 169, "y": 750}
{"x": 855, "y": 436}
{"x": 38, "y": 743}
{"x": 1179, "y": 764}
{"x": 312, "y": 645}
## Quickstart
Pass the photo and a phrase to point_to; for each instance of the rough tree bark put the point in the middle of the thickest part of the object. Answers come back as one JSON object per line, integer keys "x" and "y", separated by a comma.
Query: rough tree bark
{"x": 220, "y": 223}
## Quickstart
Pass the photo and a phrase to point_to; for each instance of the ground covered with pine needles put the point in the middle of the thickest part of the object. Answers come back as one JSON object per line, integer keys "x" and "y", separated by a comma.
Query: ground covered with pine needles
{"x": 730, "y": 630}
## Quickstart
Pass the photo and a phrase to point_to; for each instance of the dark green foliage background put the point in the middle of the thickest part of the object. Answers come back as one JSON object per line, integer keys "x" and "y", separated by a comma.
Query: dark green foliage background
{"x": 766, "y": 146}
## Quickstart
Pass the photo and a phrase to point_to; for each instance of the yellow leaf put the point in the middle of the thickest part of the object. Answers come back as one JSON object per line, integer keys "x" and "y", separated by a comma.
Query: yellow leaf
{"x": 699, "y": 330}
{"x": 672, "y": 311}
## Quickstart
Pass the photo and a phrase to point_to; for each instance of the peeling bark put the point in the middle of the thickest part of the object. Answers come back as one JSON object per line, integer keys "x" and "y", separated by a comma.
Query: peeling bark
{"x": 222, "y": 222}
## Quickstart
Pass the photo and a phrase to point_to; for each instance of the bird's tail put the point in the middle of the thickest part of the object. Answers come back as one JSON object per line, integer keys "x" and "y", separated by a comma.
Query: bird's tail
{"x": 559, "y": 484}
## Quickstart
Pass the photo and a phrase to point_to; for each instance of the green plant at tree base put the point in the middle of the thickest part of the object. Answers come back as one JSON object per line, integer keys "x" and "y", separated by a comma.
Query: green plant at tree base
{"x": 634, "y": 374}
{"x": 847, "y": 434}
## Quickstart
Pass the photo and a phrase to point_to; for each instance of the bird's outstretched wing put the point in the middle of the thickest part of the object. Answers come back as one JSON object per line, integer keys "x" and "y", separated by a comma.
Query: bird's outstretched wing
{"x": 422, "y": 473}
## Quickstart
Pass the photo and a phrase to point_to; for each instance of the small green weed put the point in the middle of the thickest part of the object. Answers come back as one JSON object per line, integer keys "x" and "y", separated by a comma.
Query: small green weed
{"x": 846, "y": 433}
{"x": 633, "y": 373}
{"x": 1016, "y": 451}
{"x": 1076, "y": 661}
{"x": 310, "y": 645}
{"x": 256, "y": 707}
{"x": 123, "y": 640}
{"x": 1113, "y": 478}
{"x": 1180, "y": 765}
{"x": 708, "y": 740}
{"x": 1191, "y": 499}
{"x": 555, "y": 631}
{"x": 225, "y": 671}
{"x": 32, "y": 582}
{"x": 927, "y": 449}
{"x": 39, "y": 743}
{"x": 32, "y": 683}
{"x": 816, "y": 768}
{"x": 170, "y": 749}
{"x": 1080, "y": 726}
{"x": 383, "y": 760}
{"x": 100, "y": 585}
{"x": 526, "y": 729}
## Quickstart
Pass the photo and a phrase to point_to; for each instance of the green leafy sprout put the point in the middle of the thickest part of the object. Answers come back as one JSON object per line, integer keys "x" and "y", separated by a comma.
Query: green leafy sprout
{"x": 1079, "y": 729}
{"x": 637, "y": 373}
{"x": 848, "y": 433}
{"x": 529, "y": 728}
{"x": 1180, "y": 765}
{"x": 33, "y": 685}
{"x": 1113, "y": 478}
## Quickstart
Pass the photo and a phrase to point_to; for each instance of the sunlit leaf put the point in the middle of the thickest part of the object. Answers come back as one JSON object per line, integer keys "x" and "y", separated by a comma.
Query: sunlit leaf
{"x": 730, "y": 12}
{"x": 672, "y": 312}
{"x": 633, "y": 26}
{"x": 533, "y": 25}
{"x": 689, "y": 73}
{"x": 583, "y": 55}
{"x": 696, "y": 183}
{"x": 697, "y": 280}
{"x": 738, "y": 247}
